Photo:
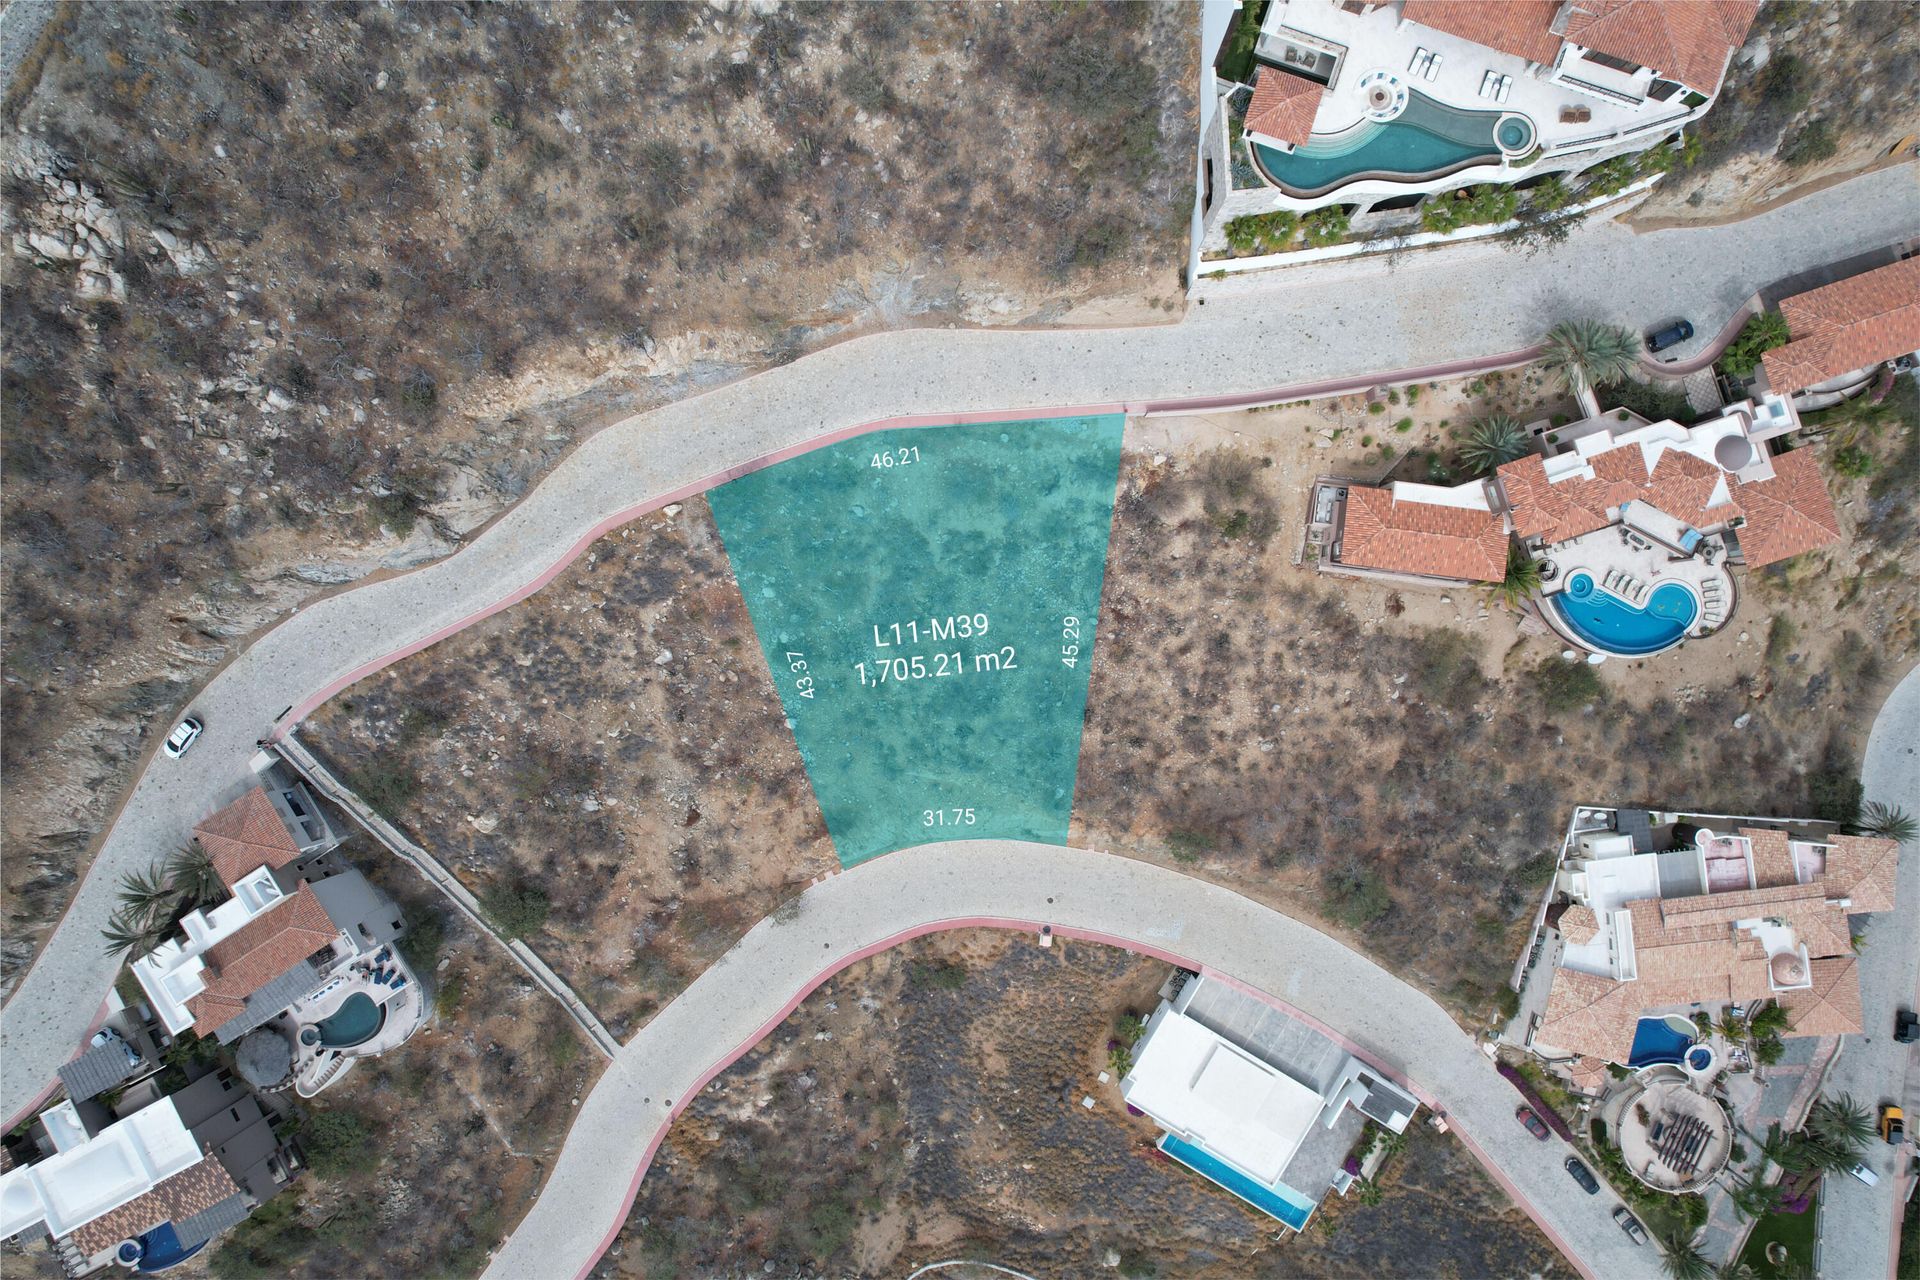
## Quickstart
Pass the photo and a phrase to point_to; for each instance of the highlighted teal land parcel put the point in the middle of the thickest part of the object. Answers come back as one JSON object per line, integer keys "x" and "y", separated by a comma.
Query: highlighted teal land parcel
{"x": 926, "y": 600}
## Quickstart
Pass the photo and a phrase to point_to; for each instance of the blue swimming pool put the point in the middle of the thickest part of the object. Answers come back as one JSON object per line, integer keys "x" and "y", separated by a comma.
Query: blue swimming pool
{"x": 1281, "y": 1202}
{"x": 1426, "y": 139}
{"x": 1607, "y": 623}
{"x": 355, "y": 1022}
{"x": 156, "y": 1250}
{"x": 1656, "y": 1041}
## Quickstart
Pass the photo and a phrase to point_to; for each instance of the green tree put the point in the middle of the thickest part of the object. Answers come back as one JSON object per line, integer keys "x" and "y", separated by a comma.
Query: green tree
{"x": 1888, "y": 821}
{"x": 1842, "y": 1123}
{"x": 132, "y": 937}
{"x": 516, "y": 910}
{"x": 1327, "y": 226}
{"x": 1588, "y": 353}
{"x": 1523, "y": 576}
{"x": 1751, "y": 1198}
{"x": 146, "y": 896}
{"x": 1492, "y": 441}
{"x": 1680, "y": 1259}
{"x": 1760, "y": 334}
{"x": 1769, "y": 1019}
{"x": 193, "y": 876}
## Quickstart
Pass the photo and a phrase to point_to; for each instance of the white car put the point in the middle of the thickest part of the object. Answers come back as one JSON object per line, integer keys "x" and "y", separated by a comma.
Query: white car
{"x": 184, "y": 735}
{"x": 1865, "y": 1175}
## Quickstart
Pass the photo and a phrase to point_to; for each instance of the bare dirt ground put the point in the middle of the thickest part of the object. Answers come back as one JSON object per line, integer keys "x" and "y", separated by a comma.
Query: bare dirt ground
{"x": 299, "y": 292}
{"x": 615, "y": 745}
{"x": 1396, "y": 764}
{"x": 926, "y": 1104}
{"x": 1819, "y": 90}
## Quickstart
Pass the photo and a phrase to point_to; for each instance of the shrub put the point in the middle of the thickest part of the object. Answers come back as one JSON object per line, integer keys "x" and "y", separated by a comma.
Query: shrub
{"x": 1262, "y": 232}
{"x": 1760, "y": 334}
{"x": 516, "y": 910}
{"x": 1187, "y": 845}
{"x": 936, "y": 975}
{"x": 1327, "y": 226}
{"x": 1564, "y": 686}
{"x": 1469, "y": 206}
{"x": 338, "y": 1144}
{"x": 1835, "y": 795}
{"x": 1357, "y": 896}
{"x": 1649, "y": 401}
{"x": 1610, "y": 177}
{"x": 1853, "y": 461}
{"x": 1780, "y": 640}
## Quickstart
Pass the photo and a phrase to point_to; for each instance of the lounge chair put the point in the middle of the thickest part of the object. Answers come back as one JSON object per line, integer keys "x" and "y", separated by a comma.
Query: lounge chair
{"x": 1506, "y": 87}
{"x": 1488, "y": 83}
{"x": 1433, "y": 68}
{"x": 1414, "y": 67}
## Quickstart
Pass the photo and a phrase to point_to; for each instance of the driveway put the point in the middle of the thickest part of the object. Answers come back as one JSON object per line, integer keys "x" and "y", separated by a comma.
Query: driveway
{"x": 1299, "y": 331}
{"x": 1859, "y": 1224}
{"x": 1079, "y": 893}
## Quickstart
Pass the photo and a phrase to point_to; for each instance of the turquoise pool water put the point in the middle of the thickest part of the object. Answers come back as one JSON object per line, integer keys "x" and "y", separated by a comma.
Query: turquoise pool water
{"x": 354, "y": 1022}
{"x": 1281, "y": 1202}
{"x": 1656, "y": 1041}
{"x": 1427, "y": 138}
{"x": 1611, "y": 625}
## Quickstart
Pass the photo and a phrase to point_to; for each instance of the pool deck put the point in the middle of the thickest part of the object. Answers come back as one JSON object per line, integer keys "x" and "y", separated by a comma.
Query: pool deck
{"x": 1378, "y": 41}
{"x": 1604, "y": 552}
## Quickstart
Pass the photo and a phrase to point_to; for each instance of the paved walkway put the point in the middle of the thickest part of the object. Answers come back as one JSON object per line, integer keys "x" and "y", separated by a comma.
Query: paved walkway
{"x": 1860, "y": 1224}
{"x": 1079, "y": 893}
{"x": 1285, "y": 337}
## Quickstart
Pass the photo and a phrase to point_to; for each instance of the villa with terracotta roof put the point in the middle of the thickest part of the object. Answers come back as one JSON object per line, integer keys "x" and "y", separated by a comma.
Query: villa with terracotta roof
{"x": 1661, "y": 915}
{"x": 1842, "y": 331}
{"x": 1626, "y": 516}
{"x": 301, "y": 951}
{"x": 1374, "y": 104}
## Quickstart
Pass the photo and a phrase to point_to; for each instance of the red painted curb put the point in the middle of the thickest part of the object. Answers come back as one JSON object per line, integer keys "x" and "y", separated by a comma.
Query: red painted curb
{"x": 678, "y": 1106}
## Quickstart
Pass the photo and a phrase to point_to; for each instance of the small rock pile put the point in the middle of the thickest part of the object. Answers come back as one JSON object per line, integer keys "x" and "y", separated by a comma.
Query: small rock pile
{"x": 76, "y": 224}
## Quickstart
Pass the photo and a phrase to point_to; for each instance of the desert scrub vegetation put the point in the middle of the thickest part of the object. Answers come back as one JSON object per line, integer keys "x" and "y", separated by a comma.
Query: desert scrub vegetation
{"x": 1404, "y": 784}
{"x": 605, "y": 765}
{"x": 376, "y": 267}
{"x": 890, "y": 1122}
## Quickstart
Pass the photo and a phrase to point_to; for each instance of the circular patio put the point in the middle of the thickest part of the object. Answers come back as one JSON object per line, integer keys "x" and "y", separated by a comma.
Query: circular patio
{"x": 1673, "y": 1138}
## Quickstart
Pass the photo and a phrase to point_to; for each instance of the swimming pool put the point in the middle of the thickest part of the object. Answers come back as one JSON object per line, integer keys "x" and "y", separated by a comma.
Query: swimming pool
{"x": 156, "y": 1250}
{"x": 1611, "y": 625}
{"x": 1281, "y": 1202}
{"x": 1427, "y": 139}
{"x": 355, "y": 1022}
{"x": 1655, "y": 1040}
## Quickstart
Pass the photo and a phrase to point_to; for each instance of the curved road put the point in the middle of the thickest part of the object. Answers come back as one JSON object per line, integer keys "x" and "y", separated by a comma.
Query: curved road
{"x": 1299, "y": 333}
{"x": 1080, "y": 894}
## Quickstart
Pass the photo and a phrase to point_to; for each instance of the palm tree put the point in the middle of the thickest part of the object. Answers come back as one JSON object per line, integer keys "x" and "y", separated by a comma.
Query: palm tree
{"x": 1841, "y": 1123}
{"x": 1492, "y": 441}
{"x": 145, "y": 896}
{"x": 1732, "y": 1027}
{"x": 132, "y": 937}
{"x": 1771, "y": 1019}
{"x": 1889, "y": 821}
{"x": 1680, "y": 1259}
{"x": 1780, "y": 1147}
{"x": 192, "y": 874}
{"x": 1751, "y": 1198}
{"x": 1587, "y": 353}
{"x": 1523, "y": 576}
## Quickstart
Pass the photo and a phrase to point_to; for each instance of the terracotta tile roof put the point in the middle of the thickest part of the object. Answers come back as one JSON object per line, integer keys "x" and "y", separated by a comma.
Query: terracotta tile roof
{"x": 186, "y": 1193}
{"x": 260, "y": 951}
{"x": 246, "y": 835}
{"x": 1831, "y": 1006}
{"x": 1518, "y": 27}
{"x": 1772, "y": 859}
{"x": 1578, "y": 924}
{"x": 1588, "y": 1074}
{"x": 1684, "y": 40}
{"x": 1847, "y": 325}
{"x": 1554, "y": 512}
{"x": 1283, "y": 105}
{"x": 1422, "y": 537}
{"x": 1597, "y": 1016}
{"x": 1862, "y": 868}
{"x": 1725, "y": 908}
{"x": 1788, "y": 514}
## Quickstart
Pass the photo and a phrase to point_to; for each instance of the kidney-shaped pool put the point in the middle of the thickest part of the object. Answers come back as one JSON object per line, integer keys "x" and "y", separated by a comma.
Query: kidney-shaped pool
{"x": 1605, "y": 622}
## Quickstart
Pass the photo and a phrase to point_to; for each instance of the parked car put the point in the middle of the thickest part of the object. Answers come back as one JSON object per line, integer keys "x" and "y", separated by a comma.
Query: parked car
{"x": 1583, "y": 1175}
{"x": 1906, "y": 1027}
{"x": 1630, "y": 1225}
{"x": 1535, "y": 1125}
{"x": 1670, "y": 336}
{"x": 1865, "y": 1175}
{"x": 184, "y": 735}
{"x": 1893, "y": 1125}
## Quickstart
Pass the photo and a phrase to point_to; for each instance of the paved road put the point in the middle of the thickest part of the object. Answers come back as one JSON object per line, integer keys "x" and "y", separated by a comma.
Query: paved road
{"x": 1859, "y": 1221}
{"x": 1147, "y": 908}
{"x": 1290, "y": 330}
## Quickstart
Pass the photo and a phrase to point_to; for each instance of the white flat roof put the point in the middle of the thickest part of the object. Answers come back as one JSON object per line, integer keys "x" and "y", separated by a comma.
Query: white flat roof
{"x": 1614, "y": 882}
{"x": 122, "y": 1161}
{"x": 1220, "y": 1097}
{"x": 172, "y": 973}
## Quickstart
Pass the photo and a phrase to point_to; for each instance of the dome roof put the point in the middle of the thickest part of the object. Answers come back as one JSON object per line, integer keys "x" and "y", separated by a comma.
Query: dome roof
{"x": 1733, "y": 452}
{"x": 1787, "y": 970}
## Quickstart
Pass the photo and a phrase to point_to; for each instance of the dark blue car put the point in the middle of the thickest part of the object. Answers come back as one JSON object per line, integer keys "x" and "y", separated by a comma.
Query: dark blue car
{"x": 1673, "y": 335}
